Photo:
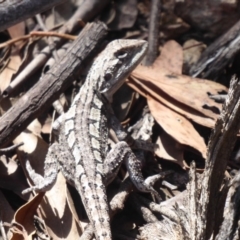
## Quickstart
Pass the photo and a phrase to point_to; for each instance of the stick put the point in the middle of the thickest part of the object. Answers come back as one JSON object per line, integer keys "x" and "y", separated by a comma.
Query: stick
{"x": 53, "y": 83}
{"x": 216, "y": 57}
{"x": 15, "y": 11}
{"x": 153, "y": 34}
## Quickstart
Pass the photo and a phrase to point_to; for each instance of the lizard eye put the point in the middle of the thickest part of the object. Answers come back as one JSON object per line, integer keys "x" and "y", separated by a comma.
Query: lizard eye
{"x": 108, "y": 77}
{"x": 121, "y": 54}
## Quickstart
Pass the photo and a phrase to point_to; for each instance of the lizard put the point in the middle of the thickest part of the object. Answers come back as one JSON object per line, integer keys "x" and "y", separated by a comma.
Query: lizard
{"x": 81, "y": 153}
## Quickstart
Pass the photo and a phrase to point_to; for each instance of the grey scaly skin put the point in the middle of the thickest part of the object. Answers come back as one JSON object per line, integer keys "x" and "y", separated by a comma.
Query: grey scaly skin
{"x": 81, "y": 152}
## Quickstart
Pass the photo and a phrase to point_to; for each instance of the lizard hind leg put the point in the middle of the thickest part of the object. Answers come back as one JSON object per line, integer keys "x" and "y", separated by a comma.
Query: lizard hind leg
{"x": 43, "y": 184}
{"x": 122, "y": 152}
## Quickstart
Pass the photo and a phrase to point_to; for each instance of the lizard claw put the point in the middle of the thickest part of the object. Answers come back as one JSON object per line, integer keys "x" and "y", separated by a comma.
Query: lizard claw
{"x": 150, "y": 181}
{"x": 27, "y": 190}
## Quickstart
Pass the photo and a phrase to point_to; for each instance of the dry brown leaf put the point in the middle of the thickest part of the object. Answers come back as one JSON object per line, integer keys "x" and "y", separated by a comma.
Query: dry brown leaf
{"x": 56, "y": 212}
{"x": 171, "y": 93}
{"x": 169, "y": 149}
{"x": 171, "y": 57}
{"x": 16, "y": 31}
{"x": 35, "y": 148}
{"x": 188, "y": 91}
{"x": 7, "y": 213}
{"x": 172, "y": 27}
{"x": 125, "y": 14}
{"x": 11, "y": 68}
{"x": 123, "y": 100}
{"x": 72, "y": 207}
{"x": 192, "y": 50}
{"x": 59, "y": 15}
{"x": 54, "y": 207}
{"x": 24, "y": 217}
{"x": 177, "y": 126}
{"x": 14, "y": 62}
{"x": 182, "y": 94}
{"x": 12, "y": 177}
{"x": 35, "y": 128}
{"x": 184, "y": 110}
{"x": 47, "y": 125}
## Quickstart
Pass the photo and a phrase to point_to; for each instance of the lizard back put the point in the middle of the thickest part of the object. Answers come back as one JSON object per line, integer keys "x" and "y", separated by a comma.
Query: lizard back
{"x": 86, "y": 126}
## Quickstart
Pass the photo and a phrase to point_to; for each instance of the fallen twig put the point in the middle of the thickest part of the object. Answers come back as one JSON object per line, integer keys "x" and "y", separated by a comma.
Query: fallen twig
{"x": 153, "y": 33}
{"x": 216, "y": 56}
{"x": 37, "y": 34}
{"x": 16, "y": 11}
{"x": 52, "y": 84}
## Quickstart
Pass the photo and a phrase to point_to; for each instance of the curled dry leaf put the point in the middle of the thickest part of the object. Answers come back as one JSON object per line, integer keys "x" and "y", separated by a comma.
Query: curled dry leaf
{"x": 16, "y": 31}
{"x": 213, "y": 17}
{"x": 57, "y": 214}
{"x": 47, "y": 125}
{"x": 11, "y": 67}
{"x": 34, "y": 146}
{"x": 12, "y": 177}
{"x": 192, "y": 50}
{"x": 172, "y": 27}
{"x": 73, "y": 209}
{"x": 125, "y": 14}
{"x": 192, "y": 92}
{"x": 7, "y": 213}
{"x": 151, "y": 90}
{"x": 172, "y": 97}
{"x": 54, "y": 208}
{"x": 171, "y": 57}
{"x": 24, "y": 217}
{"x": 14, "y": 61}
{"x": 177, "y": 126}
{"x": 169, "y": 149}
{"x": 123, "y": 100}
{"x": 186, "y": 95}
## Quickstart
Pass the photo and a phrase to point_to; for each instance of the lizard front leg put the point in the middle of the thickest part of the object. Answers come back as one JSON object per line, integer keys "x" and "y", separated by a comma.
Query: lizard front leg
{"x": 120, "y": 132}
{"x": 122, "y": 152}
{"x": 43, "y": 184}
{"x": 122, "y": 135}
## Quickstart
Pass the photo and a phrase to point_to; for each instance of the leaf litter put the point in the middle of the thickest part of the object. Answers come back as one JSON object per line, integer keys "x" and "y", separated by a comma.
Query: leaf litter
{"x": 176, "y": 101}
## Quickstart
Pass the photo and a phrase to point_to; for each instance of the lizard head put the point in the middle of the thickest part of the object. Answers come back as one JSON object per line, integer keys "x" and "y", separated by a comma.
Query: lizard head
{"x": 118, "y": 59}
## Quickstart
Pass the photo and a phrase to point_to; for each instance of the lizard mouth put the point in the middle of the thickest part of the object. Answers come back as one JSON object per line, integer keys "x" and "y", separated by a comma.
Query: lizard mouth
{"x": 105, "y": 88}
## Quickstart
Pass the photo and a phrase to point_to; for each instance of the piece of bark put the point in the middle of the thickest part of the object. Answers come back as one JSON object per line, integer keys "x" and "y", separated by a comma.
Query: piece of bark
{"x": 16, "y": 11}
{"x": 230, "y": 226}
{"x": 52, "y": 84}
{"x": 212, "y": 209}
{"x": 212, "y": 18}
{"x": 85, "y": 12}
{"x": 163, "y": 230}
{"x": 220, "y": 148}
{"x": 216, "y": 56}
{"x": 210, "y": 190}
